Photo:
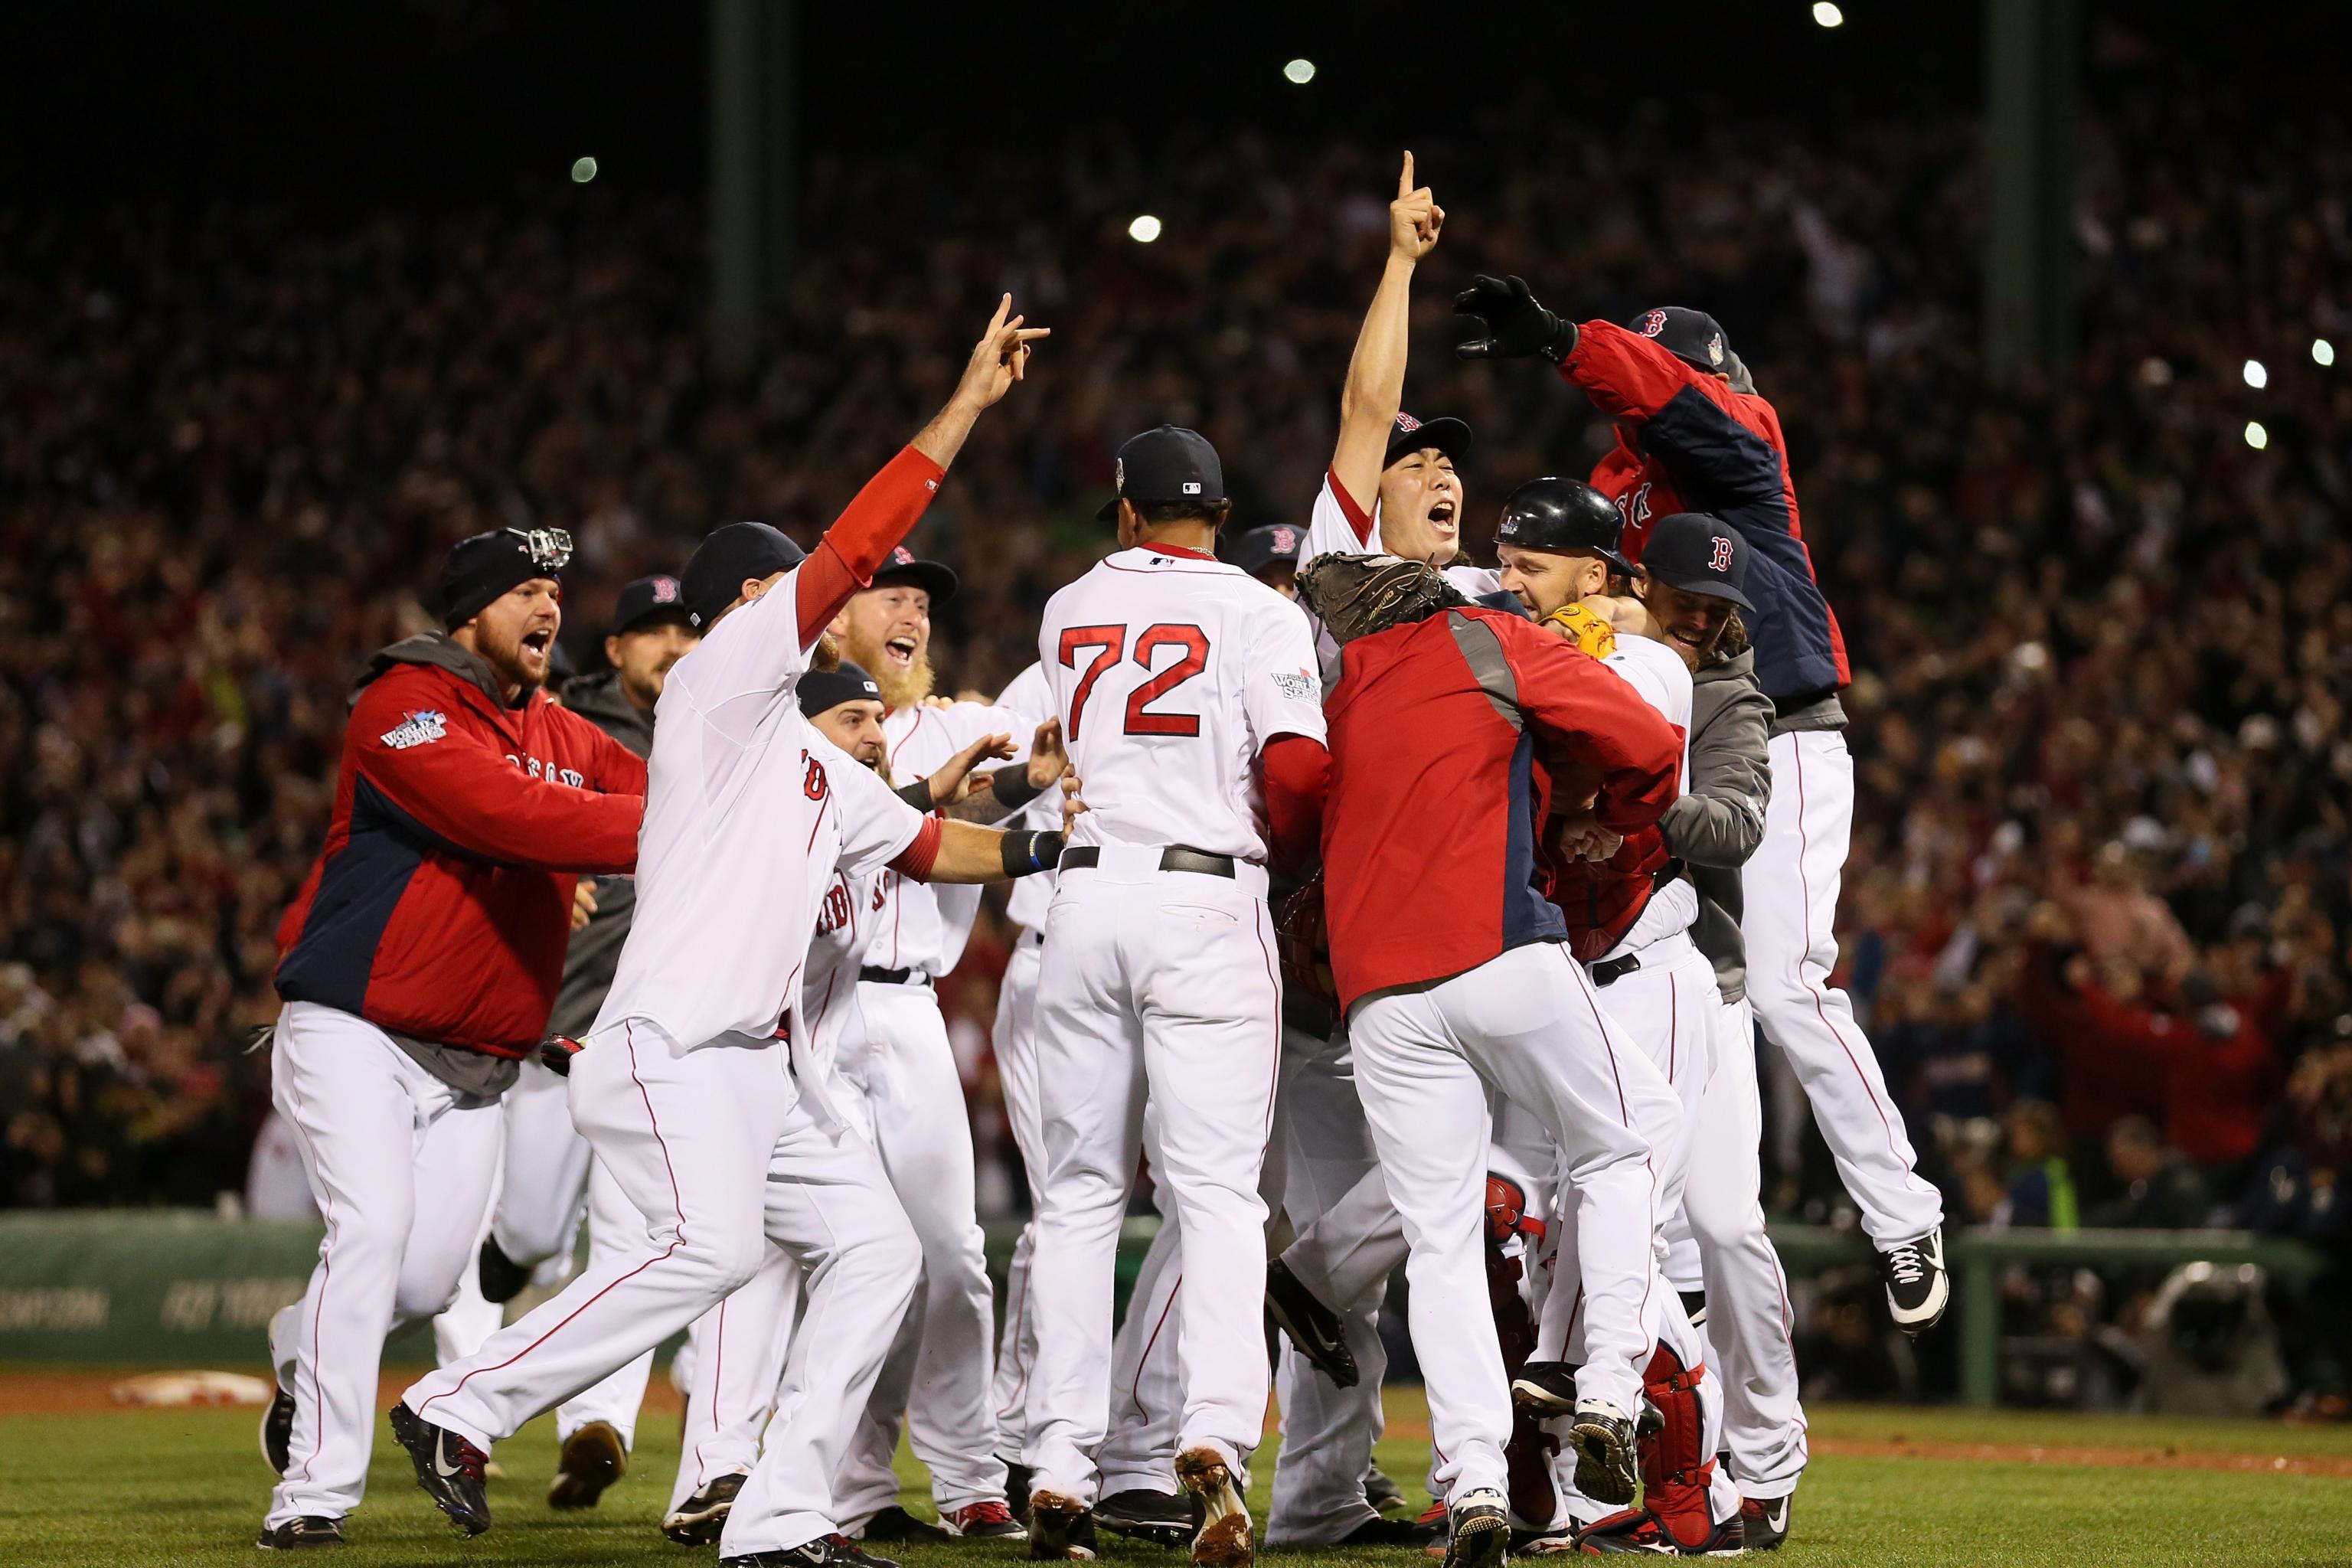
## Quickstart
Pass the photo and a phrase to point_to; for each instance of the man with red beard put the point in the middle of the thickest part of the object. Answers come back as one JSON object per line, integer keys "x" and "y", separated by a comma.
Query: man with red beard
{"x": 939, "y": 1371}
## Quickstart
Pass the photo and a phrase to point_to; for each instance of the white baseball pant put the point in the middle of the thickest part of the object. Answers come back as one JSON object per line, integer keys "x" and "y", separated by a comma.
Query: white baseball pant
{"x": 1014, "y": 1041}
{"x": 1162, "y": 982}
{"x": 545, "y": 1181}
{"x": 720, "y": 1159}
{"x": 1529, "y": 1022}
{"x": 1147, "y": 1383}
{"x": 403, "y": 1167}
{"x": 1751, "y": 1357}
{"x": 736, "y": 1362}
{"x": 470, "y": 1317}
{"x": 616, "y": 1230}
{"x": 1790, "y": 927}
{"x": 938, "y": 1373}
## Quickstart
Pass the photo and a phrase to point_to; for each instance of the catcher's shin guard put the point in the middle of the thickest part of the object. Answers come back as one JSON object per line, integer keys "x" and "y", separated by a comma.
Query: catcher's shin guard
{"x": 1675, "y": 1468}
{"x": 1529, "y": 1453}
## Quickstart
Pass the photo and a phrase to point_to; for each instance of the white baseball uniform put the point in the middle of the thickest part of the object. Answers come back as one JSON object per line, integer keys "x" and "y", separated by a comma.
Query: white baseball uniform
{"x": 1015, "y": 1042}
{"x": 1171, "y": 672}
{"x": 939, "y": 1374}
{"x": 1790, "y": 927}
{"x": 685, "y": 1098}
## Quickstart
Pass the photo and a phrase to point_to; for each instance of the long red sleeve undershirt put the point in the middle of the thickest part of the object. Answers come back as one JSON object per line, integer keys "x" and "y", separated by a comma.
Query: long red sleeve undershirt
{"x": 1297, "y": 775}
{"x": 862, "y": 537}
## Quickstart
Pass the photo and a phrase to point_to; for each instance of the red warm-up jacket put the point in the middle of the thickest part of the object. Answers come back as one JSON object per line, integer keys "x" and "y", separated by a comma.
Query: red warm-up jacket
{"x": 441, "y": 904}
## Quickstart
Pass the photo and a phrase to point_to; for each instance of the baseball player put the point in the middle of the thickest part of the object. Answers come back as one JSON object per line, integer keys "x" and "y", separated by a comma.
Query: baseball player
{"x": 939, "y": 1374}
{"x": 1689, "y": 440}
{"x": 544, "y": 1175}
{"x": 1188, "y": 694}
{"x": 417, "y": 965}
{"x": 740, "y": 1345}
{"x": 1475, "y": 714}
{"x": 716, "y": 1134}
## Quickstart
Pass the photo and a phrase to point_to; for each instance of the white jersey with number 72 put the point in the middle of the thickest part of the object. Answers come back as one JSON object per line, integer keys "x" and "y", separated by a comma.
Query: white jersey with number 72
{"x": 1171, "y": 671}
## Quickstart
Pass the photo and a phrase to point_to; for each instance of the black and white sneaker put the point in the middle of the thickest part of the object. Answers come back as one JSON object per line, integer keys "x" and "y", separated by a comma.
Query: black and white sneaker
{"x": 1546, "y": 1388}
{"x": 277, "y": 1432}
{"x": 1917, "y": 1287}
{"x": 313, "y": 1529}
{"x": 1606, "y": 1465}
{"x": 698, "y": 1521}
{"x": 1383, "y": 1492}
{"x": 1164, "y": 1519}
{"x": 824, "y": 1552}
{"x": 1312, "y": 1327}
{"x": 894, "y": 1525}
{"x": 1765, "y": 1521}
{"x": 1478, "y": 1530}
{"x": 1061, "y": 1529}
{"x": 448, "y": 1468}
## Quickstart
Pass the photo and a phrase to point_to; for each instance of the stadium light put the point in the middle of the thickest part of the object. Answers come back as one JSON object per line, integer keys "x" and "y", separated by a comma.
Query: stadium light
{"x": 2154, "y": 372}
{"x": 2256, "y": 436}
{"x": 1299, "y": 73}
{"x": 2256, "y": 376}
{"x": 1828, "y": 16}
{"x": 1144, "y": 229}
{"x": 2323, "y": 353}
{"x": 583, "y": 171}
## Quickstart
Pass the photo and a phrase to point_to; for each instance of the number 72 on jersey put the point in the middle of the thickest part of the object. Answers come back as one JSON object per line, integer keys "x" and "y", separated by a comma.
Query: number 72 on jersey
{"x": 1108, "y": 645}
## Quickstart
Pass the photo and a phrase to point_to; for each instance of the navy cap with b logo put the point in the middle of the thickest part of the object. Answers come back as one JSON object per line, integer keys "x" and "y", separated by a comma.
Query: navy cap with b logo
{"x": 1260, "y": 550}
{"x": 1692, "y": 336}
{"x": 648, "y": 601}
{"x": 1166, "y": 462}
{"x": 1699, "y": 554}
{"x": 933, "y": 577}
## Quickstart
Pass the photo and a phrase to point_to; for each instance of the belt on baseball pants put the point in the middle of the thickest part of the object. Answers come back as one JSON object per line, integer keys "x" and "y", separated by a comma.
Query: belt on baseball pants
{"x": 1175, "y": 857}
{"x": 1609, "y": 971}
{"x": 873, "y": 976}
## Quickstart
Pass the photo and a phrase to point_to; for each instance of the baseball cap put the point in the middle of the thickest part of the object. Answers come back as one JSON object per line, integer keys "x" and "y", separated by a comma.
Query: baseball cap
{"x": 647, "y": 600}
{"x": 1699, "y": 554}
{"x": 933, "y": 577}
{"x": 1565, "y": 516}
{"x": 1166, "y": 462}
{"x": 482, "y": 567}
{"x": 823, "y": 690}
{"x": 1687, "y": 334}
{"x": 1262, "y": 549}
{"x": 1448, "y": 434}
{"x": 728, "y": 555}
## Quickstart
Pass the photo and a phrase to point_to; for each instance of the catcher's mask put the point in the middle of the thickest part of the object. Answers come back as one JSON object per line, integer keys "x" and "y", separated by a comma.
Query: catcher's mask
{"x": 1356, "y": 595}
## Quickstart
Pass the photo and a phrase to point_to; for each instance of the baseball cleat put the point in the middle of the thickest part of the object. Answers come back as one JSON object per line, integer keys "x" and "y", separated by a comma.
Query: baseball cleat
{"x": 1546, "y": 1543}
{"x": 448, "y": 1468}
{"x": 1606, "y": 1465}
{"x": 1311, "y": 1326}
{"x": 1639, "y": 1530}
{"x": 1389, "y": 1532}
{"x": 277, "y": 1434}
{"x": 594, "y": 1457}
{"x": 895, "y": 1524}
{"x": 1061, "y": 1529}
{"x": 1225, "y": 1539}
{"x": 1164, "y": 1519}
{"x": 313, "y": 1529}
{"x": 989, "y": 1520}
{"x": 1478, "y": 1530}
{"x": 1917, "y": 1288}
{"x": 1765, "y": 1521}
{"x": 698, "y": 1521}
{"x": 1546, "y": 1387}
{"x": 1432, "y": 1524}
{"x": 824, "y": 1552}
{"x": 500, "y": 1277}
{"x": 1017, "y": 1477}
{"x": 1383, "y": 1492}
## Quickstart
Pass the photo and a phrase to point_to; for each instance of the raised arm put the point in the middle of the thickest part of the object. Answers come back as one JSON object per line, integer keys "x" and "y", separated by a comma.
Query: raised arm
{"x": 1375, "y": 387}
{"x": 884, "y": 511}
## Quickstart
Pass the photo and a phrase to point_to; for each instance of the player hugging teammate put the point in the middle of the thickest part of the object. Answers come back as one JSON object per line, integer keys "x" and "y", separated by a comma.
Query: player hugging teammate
{"x": 1420, "y": 913}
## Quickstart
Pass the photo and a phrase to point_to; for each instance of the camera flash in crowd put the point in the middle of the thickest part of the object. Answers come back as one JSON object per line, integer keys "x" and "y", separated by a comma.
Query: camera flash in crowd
{"x": 1144, "y": 229}
{"x": 2256, "y": 376}
{"x": 1827, "y": 14}
{"x": 583, "y": 171}
{"x": 2256, "y": 436}
{"x": 1299, "y": 73}
{"x": 2323, "y": 353}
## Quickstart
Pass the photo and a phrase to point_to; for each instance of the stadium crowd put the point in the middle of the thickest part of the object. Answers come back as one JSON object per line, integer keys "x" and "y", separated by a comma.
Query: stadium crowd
{"x": 2099, "y": 906}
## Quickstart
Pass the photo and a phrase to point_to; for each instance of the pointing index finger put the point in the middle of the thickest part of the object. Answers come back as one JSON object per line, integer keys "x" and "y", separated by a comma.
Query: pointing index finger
{"x": 1404, "y": 180}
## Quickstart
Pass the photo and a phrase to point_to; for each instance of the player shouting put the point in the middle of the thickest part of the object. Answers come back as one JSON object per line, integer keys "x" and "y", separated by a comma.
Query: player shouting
{"x": 680, "y": 1088}
{"x": 1689, "y": 441}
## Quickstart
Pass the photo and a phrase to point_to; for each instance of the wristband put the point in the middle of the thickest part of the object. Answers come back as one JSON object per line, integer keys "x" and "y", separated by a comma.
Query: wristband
{"x": 1026, "y": 854}
{"x": 1011, "y": 788}
{"x": 919, "y": 796}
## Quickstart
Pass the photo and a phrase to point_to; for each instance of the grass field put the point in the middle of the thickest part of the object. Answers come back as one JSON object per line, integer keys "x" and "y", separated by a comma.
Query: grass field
{"x": 1888, "y": 1488}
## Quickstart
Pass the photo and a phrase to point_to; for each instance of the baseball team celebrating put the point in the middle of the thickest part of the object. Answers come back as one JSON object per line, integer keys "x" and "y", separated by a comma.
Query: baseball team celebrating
{"x": 1391, "y": 911}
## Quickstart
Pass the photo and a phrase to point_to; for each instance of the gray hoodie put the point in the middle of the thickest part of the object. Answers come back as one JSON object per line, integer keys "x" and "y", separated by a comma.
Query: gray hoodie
{"x": 1717, "y": 825}
{"x": 595, "y": 950}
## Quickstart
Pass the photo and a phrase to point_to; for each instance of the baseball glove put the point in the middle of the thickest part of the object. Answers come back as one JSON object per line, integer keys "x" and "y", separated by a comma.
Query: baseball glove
{"x": 1356, "y": 595}
{"x": 1585, "y": 629}
{"x": 1304, "y": 942}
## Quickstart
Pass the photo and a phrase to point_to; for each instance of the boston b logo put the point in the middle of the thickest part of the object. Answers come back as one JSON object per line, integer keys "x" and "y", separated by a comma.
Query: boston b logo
{"x": 1719, "y": 558}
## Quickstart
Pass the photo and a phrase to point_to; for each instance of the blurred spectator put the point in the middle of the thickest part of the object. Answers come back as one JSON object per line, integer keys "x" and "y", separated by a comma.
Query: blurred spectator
{"x": 2159, "y": 1190}
{"x": 2040, "y": 1185}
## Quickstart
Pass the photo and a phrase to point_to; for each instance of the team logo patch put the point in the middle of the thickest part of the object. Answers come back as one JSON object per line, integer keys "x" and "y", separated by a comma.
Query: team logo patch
{"x": 1719, "y": 558}
{"x": 1286, "y": 540}
{"x": 1715, "y": 347}
{"x": 417, "y": 729}
{"x": 1118, "y": 475}
{"x": 1298, "y": 687}
{"x": 1407, "y": 423}
{"x": 1653, "y": 323}
{"x": 665, "y": 590}
{"x": 901, "y": 556}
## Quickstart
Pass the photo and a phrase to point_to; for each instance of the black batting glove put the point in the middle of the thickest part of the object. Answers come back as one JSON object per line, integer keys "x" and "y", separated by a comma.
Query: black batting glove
{"x": 1511, "y": 325}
